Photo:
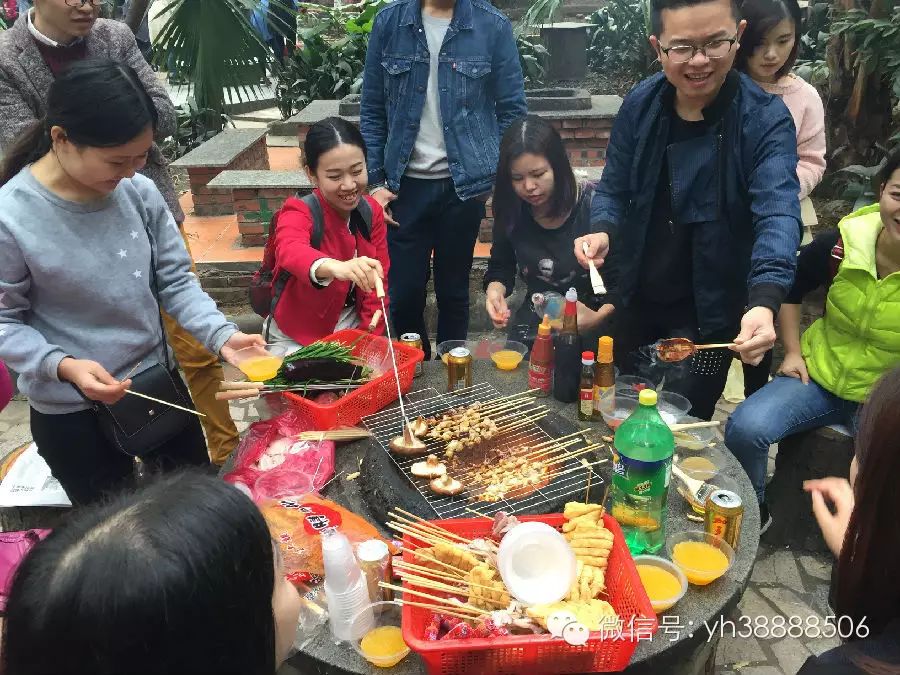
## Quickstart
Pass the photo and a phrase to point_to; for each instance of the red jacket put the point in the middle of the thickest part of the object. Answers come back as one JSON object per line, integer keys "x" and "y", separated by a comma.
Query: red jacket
{"x": 307, "y": 312}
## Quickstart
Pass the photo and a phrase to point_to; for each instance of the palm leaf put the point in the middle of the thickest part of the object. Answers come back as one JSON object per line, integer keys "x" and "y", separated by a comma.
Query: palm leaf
{"x": 215, "y": 47}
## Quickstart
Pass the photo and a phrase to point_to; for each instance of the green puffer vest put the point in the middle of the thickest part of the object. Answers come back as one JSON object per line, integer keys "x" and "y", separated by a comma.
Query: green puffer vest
{"x": 858, "y": 339}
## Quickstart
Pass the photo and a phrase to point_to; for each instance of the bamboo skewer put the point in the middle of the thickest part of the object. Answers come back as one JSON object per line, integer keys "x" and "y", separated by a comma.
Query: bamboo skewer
{"x": 421, "y": 569}
{"x": 430, "y": 558}
{"x": 413, "y": 518}
{"x": 159, "y": 400}
{"x": 441, "y": 609}
{"x": 429, "y": 538}
{"x": 446, "y": 601}
{"x": 479, "y": 513}
{"x": 447, "y": 588}
{"x": 333, "y": 435}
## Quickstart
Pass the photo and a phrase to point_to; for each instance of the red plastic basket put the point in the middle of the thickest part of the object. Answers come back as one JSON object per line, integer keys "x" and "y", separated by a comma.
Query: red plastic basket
{"x": 518, "y": 654}
{"x": 369, "y": 398}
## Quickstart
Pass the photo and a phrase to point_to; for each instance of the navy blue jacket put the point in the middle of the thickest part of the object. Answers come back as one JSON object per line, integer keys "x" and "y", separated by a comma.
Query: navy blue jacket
{"x": 737, "y": 187}
{"x": 481, "y": 92}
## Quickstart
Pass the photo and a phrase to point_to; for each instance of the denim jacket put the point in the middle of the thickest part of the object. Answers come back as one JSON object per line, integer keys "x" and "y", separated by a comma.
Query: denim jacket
{"x": 737, "y": 188}
{"x": 481, "y": 91}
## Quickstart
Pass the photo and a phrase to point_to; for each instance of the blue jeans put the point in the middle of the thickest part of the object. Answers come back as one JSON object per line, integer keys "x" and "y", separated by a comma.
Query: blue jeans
{"x": 433, "y": 220}
{"x": 783, "y": 407}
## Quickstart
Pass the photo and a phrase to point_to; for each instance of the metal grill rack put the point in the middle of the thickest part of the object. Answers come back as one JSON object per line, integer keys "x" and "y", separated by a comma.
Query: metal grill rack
{"x": 570, "y": 477}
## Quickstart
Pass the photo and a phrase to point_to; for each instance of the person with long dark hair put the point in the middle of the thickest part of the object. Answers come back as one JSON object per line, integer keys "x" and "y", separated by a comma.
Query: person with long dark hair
{"x": 330, "y": 282}
{"x": 539, "y": 210}
{"x": 89, "y": 255}
{"x": 179, "y": 577}
{"x": 828, "y": 373}
{"x": 768, "y": 53}
{"x": 46, "y": 40}
{"x": 860, "y": 525}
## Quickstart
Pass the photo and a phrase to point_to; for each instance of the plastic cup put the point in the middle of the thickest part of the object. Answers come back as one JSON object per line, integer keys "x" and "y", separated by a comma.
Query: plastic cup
{"x": 374, "y": 644}
{"x": 536, "y": 563}
{"x": 507, "y": 354}
{"x": 662, "y": 603}
{"x": 695, "y": 568}
{"x": 260, "y": 363}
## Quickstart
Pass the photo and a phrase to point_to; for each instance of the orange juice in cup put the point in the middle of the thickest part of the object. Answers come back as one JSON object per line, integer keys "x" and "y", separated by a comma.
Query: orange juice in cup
{"x": 260, "y": 363}
{"x": 703, "y": 557}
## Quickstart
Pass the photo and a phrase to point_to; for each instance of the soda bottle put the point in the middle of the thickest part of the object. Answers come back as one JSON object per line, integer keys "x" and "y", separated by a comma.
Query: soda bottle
{"x": 642, "y": 467}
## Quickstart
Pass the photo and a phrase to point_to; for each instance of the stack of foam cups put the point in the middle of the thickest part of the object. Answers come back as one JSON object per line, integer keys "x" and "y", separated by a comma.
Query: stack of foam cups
{"x": 345, "y": 588}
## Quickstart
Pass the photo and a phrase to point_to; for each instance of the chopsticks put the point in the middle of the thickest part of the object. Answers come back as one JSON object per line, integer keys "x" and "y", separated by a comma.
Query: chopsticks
{"x": 333, "y": 435}
{"x": 232, "y": 391}
{"x": 159, "y": 400}
{"x": 694, "y": 425}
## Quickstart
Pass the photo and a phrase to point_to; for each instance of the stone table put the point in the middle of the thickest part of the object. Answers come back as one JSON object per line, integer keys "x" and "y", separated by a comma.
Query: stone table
{"x": 687, "y": 650}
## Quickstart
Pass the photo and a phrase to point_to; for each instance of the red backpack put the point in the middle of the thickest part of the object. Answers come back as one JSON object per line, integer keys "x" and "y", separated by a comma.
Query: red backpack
{"x": 265, "y": 290}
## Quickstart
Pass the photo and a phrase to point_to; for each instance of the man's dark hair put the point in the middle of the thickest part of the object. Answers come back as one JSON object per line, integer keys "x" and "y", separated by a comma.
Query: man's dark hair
{"x": 762, "y": 16}
{"x": 891, "y": 164}
{"x": 657, "y": 7}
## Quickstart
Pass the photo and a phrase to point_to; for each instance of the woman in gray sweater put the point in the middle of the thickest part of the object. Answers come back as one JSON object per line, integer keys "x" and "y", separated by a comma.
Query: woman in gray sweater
{"x": 89, "y": 254}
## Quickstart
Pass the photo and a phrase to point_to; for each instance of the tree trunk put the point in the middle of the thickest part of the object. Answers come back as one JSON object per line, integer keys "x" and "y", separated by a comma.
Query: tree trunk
{"x": 858, "y": 106}
{"x": 136, "y": 11}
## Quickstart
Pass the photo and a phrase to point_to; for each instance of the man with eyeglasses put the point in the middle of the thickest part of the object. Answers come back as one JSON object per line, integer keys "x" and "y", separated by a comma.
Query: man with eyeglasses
{"x": 39, "y": 46}
{"x": 698, "y": 200}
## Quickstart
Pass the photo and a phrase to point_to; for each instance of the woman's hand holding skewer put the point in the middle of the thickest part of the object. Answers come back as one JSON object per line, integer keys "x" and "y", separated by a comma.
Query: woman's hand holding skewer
{"x": 360, "y": 271}
{"x": 92, "y": 380}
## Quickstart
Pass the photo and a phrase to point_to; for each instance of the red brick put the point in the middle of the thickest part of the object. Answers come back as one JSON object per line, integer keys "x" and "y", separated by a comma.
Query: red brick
{"x": 584, "y": 133}
{"x": 241, "y": 205}
{"x": 244, "y": 193}
{"x": 251, "y": 228}
{"x": 567, "y": 133}
{"x": 276, "y": 193}
{"x": 573, "y": 124}
{"x": 249, "y": 240}
{"x": 556, "y": 124}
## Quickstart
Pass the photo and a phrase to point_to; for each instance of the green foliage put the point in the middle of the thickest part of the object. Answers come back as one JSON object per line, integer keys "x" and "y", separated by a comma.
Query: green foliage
{"x": 215, "y": 48}
{"x": 876, "y": 43}
{"x": 321, "y": 70}
{"x": 539, "y": 13}
{"x": 619, "y": 48}
{"x": 362, "y": 22}
{"x": 533, "y": 59}
{"x": 811, "y": 64}
{"x": 195, "y": 127}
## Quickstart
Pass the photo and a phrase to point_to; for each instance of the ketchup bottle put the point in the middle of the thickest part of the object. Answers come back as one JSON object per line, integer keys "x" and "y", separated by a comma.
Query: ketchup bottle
{"x": 540, "y": 364}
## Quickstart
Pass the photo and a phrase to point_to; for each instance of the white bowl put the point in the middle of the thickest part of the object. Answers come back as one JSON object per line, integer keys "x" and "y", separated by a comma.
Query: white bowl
{"x": 536, "y": 563}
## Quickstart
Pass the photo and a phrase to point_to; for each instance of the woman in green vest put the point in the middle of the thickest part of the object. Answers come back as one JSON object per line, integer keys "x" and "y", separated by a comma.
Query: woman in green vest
{"x": 828, "y": 373}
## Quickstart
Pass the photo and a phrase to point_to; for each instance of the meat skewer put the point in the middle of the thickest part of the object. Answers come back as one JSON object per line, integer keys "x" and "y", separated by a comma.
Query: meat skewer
{"x": 678, "y": 349}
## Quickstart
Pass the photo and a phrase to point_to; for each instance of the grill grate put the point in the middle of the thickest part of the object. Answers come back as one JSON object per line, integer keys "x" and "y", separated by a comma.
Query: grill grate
{"x": 569, "y": 476}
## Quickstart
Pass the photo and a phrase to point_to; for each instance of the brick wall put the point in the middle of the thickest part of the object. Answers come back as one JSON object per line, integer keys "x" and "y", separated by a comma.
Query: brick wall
{"x": 219, "y": 202}
{"x": 254, "y": 208}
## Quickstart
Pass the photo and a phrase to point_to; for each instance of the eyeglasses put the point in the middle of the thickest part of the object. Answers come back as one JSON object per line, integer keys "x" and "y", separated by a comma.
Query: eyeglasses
{"x": 82, "y": 3}
{"x": 714, "y": 49}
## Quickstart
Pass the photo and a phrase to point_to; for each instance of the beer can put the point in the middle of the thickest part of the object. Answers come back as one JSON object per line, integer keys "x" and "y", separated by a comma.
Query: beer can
{"x": 459, "y": 369}
{"x": 724, "y": 514}
{"x": 413, "y": 340}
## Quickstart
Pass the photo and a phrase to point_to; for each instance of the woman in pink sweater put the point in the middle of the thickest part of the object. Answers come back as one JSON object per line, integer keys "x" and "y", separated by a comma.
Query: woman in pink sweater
{"x": 767, "y": 54}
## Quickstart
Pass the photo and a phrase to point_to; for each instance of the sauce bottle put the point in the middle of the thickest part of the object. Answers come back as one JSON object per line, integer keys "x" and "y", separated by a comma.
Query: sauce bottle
{"x": 604, "y": 372}
{"x": 586, "y": 387}
{"x": 540, "y": 363}
{"x": 567, "y": 353}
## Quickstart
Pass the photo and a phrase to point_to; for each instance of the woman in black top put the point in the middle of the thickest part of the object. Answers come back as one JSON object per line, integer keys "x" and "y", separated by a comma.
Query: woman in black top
{"x": 539, "y": 210}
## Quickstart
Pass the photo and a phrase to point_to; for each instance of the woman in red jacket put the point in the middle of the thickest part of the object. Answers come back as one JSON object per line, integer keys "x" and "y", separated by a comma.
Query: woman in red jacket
{"x": 331, "y": 287}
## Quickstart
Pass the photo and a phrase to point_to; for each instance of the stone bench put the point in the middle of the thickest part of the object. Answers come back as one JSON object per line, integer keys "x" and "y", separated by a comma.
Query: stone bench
{"x": 256, "y": 196}
{"x": 231, "y": 149}
{"x": 813, "y": 454}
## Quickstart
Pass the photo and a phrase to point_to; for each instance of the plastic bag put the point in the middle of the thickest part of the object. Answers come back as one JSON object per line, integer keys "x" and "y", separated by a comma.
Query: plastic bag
{"x": 270, "y": 462}
{"x": 296, "y": 523}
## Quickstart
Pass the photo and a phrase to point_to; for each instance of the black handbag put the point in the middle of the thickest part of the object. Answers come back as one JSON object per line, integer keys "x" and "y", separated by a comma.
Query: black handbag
{"x": 135, "y": 425}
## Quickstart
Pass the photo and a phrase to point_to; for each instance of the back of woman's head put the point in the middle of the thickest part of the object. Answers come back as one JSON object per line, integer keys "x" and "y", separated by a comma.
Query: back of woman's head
{"x": 868, "y": 585}
{"x": 175, "y": 578}
{"x": 326, "y": 135}
{"x": 761, "y": 17}
{"x": 99, "y": 103}
{"x": 535, "y": 136}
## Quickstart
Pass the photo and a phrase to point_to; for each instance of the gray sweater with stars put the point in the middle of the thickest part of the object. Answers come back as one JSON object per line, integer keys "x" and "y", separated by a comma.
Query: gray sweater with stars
{"x": 75, "y": 281}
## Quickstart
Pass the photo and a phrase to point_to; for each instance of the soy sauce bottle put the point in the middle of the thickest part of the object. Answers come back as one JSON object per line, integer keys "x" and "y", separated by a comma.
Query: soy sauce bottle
{"x": 567, "y": 348}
